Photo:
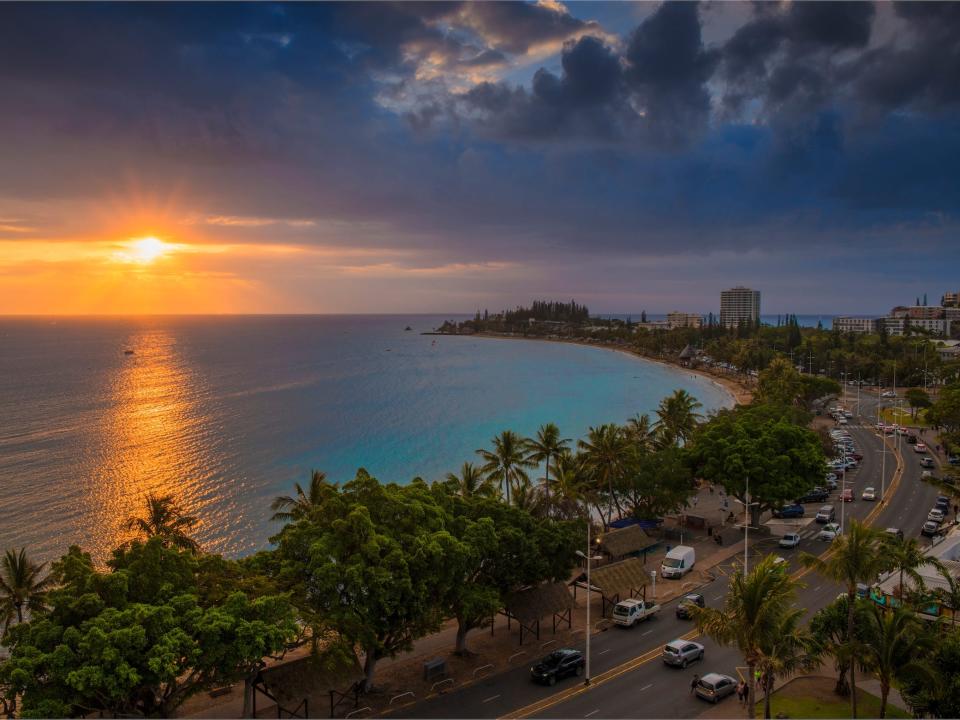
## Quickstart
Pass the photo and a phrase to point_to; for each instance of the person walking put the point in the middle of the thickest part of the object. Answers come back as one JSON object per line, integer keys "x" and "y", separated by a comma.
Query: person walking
{"x": 741, "y": 691}
{"x": 693, "y": 683}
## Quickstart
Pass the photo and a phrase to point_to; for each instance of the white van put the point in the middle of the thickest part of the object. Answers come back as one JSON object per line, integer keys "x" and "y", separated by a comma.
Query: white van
{"x": 678, "y": 562}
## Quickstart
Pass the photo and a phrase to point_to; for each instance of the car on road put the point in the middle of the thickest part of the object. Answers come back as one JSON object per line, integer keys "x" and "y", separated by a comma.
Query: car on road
{"x": 628, "y": 613}
{"x": 926, "y": 462}
{"x": 829, "y": 532}
{"x": 846, "y": 495}
{"x": 888, "y": 394}
{"x": 680, "y": 653}
{"x": 558, "y": 665}
{"x": 715, "y": 687}
{"x": 686, "y": 605}
{"x": 936, "y": 515}
{"x": 894, "y": 533}
{"x": 868, "y": 494}
{"x": 954, "y": 459}
{"x": 826, "y": 514}
{"x": 789, "y": 540}
{"x": 920, "y": 448}
{"x": 911, "y": 439}
{"x": 790, "y": 511}
{"x": 930, "y": 528}
{"x": 926, "y": 475}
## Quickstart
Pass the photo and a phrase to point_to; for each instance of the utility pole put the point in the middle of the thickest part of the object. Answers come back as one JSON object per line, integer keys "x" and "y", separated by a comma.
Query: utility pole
{"x": 587, "y": 558}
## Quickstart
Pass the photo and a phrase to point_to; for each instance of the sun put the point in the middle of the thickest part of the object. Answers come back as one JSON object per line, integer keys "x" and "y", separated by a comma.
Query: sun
{"x": 146, "y": 250}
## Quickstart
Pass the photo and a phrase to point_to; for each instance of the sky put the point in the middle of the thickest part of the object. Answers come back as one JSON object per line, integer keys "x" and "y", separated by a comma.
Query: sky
{"x": 445, "y": 157}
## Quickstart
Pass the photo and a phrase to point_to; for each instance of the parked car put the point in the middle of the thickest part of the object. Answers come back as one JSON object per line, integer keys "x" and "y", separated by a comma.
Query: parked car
{"x": 920, "y": 448}
{"x": 943, "y": 502}
{"x": 954, "y": 459}
{"x": 846, "y": 495}
{"x": 686, "y": 605}
{"x": 930, "y": 528}
{"x": 680, "y": 653}
{"x": 817, "y": 495}
{"x": 789, "y": 540}
{"x": 829, "y": 532}
{"x": 936, "y": 515}
{"x": 831, "y": 477}
{"x": 926, "y": 462}
{"x": 715, "y": 687}
{"x": 628, "y": 613}
{"x": 926, "y": 475}
{"x": 831, "y": 485}
{"x": 868, "y": 494}
{"x": 789, "y": 511}
{"x": 826, "y": 514}
{"x": 678, "y": 562}
{"x": 558, "y": 665}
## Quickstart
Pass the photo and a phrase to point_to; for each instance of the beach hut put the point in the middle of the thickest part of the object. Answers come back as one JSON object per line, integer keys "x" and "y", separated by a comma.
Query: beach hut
{"x": 533, "y": 604}
{"x": 625, "y": 542}
{"x": 688, "y": 355}
{"x": 615, "y": 582}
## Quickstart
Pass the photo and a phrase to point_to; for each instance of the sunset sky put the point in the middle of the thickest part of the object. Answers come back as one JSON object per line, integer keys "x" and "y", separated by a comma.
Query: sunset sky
{"x": 445, "y": 157}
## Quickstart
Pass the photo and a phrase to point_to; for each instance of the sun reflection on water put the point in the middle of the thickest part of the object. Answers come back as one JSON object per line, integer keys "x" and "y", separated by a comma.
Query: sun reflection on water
{"x": 152, "y": 439}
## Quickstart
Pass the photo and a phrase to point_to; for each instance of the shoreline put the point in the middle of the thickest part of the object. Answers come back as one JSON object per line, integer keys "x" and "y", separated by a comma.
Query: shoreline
{"x": 739, "y": 393}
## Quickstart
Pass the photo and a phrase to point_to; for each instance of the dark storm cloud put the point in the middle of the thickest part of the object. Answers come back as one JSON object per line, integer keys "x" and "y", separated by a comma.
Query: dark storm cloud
{"x": 642, "y": 141}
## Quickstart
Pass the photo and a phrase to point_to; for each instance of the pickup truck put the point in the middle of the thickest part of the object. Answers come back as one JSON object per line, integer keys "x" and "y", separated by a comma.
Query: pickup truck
{"x": 629, "y": 612}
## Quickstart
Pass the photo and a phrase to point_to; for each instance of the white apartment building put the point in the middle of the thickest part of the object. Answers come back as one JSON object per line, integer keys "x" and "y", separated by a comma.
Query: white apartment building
{"x": 739, "y": 305}
{"x": 897, "y": 325}
{"x": 847, "y": 324}
{"x": 678, "y": 319}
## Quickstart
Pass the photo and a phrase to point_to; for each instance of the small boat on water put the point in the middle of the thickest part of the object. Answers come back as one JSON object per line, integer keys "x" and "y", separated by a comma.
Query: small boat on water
{"x": 128, "y": 352}
{"x": 407, "y": 328}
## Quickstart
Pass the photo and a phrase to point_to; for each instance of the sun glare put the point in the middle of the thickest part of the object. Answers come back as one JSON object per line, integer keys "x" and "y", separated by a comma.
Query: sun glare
{"x": 144, "y": 250}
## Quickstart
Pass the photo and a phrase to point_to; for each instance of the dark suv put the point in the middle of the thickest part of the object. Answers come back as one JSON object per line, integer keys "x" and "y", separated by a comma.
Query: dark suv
{"x": 790, "y": 511}
{"x": 685, "y": 608}
{"x": 817, "y": 495}
{"x": 558, "y": 665}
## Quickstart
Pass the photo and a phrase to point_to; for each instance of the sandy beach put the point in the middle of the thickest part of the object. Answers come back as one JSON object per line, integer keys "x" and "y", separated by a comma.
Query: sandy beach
{"x": 739, "y": 392}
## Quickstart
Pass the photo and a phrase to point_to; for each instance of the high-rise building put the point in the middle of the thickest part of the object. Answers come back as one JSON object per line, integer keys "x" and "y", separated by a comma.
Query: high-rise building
{"x": 739, "y": 305}
{"x": 950, "y": 299}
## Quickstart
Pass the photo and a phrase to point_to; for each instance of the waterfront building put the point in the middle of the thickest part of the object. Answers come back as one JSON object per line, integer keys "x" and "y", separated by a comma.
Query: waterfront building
{"x": 739, "y": 305}
{"x": 918, "y": 312}
{"x": 847, "y": 324}
{"x": 678, "y": 319}
{"x": 897, "y": 325}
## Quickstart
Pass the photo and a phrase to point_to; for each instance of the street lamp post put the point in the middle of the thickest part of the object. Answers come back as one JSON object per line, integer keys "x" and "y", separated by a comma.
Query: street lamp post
{"x": 587, "y": 558}
{"x": 746, "y": 524}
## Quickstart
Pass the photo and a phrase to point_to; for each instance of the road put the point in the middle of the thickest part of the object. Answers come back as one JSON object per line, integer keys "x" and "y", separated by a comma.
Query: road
{"x": 629, "y": 679}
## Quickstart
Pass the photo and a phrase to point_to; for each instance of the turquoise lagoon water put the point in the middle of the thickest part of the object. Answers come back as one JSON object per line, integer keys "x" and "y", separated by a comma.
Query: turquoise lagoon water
{"x": 227, "y": 412}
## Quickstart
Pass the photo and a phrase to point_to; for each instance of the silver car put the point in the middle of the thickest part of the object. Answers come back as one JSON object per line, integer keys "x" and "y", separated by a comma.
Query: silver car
{"x": 680, "y": 653}
{"x": 714, "y": 687}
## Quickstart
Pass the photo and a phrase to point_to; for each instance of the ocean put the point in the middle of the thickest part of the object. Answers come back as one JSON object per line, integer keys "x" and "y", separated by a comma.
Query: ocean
{"x": 225, "y": 413}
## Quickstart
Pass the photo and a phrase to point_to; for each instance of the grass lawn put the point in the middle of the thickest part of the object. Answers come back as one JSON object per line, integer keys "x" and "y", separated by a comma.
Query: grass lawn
{"x": 903, "y": 417}
{"x": 813, "y": 697}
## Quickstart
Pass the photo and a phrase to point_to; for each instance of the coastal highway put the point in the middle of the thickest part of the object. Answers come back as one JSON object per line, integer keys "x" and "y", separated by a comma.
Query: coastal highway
{"x": 629, "y": 680}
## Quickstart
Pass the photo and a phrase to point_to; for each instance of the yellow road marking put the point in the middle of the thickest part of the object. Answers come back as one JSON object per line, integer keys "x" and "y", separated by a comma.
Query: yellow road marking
{"x": 636, "y": 662}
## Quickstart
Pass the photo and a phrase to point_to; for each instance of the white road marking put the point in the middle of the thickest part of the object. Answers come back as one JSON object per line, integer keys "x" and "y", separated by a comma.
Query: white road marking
{"x": 646, "y": 633}
{"x": 592, "y": 712}
{"x": 719, "y": 597}
{"x": 817, "y": 588}
{"x": 603, "y": 651}
{"x": 493, "y": 697}
{"x": 646, "y": 687}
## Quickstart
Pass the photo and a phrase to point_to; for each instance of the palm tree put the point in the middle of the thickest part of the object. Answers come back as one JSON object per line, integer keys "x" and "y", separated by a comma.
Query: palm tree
{"x": 752, "y": 614}
{"x": 677, "y": 417}
{"x": 287, "y": 508}
{"x": 21, "y": 587}
{"x": 892, "y": 643}
{"x": 506, "y": 463}
{"x": 527, "y": 497}
{"x": 829, "y": 627}
{"x": 603, "y": 456}
{"x": 854, "y": 558}
{"x": 544, "y": 448}
{"x": 949, "y": 596}
{"x": 790, "y": 648}
{"x": 471, "y": 482}
{"x": 640, "y": 431}
{"x": 906, "y": 556}
{"x": 571, "y": 494}
{"x": 165, "y": 520}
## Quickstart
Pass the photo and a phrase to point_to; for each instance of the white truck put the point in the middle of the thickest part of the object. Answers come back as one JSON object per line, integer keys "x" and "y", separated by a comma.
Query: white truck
{"x": 678, "y": 562}
{"x": 629, "y": 612}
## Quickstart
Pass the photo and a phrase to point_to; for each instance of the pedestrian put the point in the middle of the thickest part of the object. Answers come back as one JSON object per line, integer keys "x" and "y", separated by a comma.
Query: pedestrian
{"x": 693, "y": 683}
{"x": 740, "y": 687}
